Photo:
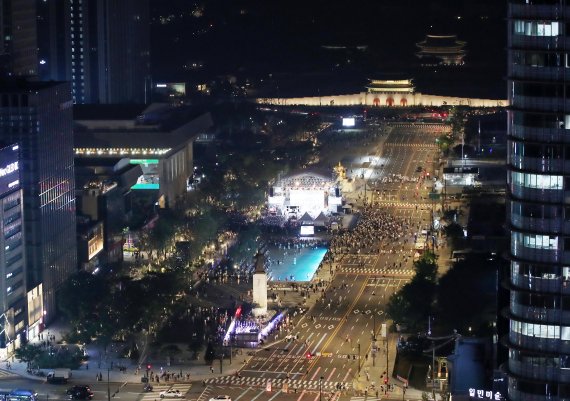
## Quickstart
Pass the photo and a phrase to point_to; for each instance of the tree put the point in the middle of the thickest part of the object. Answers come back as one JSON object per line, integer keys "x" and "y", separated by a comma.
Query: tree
{"x": 454, "y": 232}
{"x": 412, "y": 304}
{"x": 210, "y": 354}
{"x": 84, "y": 298}
{"x": 426, "y": 267}
{"x": 28, "y": 353}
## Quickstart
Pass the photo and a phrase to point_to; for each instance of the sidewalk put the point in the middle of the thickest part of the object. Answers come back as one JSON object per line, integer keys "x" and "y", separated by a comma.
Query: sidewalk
{"x": 372, "y": 375}
{"x": 110, "y": 364}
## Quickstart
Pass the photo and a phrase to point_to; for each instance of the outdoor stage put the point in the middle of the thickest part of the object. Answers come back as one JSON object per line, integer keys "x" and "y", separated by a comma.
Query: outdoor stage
{"x": 308, "y": 198}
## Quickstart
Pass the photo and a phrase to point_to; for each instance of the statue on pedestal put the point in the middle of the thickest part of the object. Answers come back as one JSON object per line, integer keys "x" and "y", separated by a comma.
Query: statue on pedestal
{"x": 259, "y": 286}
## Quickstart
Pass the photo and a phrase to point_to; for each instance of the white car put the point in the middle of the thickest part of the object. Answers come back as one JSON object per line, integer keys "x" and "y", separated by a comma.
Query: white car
{"x": 221, "y": 398}
{"x": 171, "y": 393}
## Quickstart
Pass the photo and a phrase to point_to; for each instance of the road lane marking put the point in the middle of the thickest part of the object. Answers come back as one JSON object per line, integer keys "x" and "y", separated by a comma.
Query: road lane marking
{"x": 346, "y": 376}
{"x": 316, "y": 371}
{"x": 344, "y": 318}
{"x": 329, "y": 377}
{"x": 301, "y": 396}
{"x": 319, "y": 343}
{"x": 276, "y": 394}
{"x": 242, "y": 394}
{"x": 258, "y": 395}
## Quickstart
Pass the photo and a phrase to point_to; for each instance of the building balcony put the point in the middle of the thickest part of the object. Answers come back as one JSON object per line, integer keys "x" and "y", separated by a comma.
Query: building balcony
{"x": 536, "y": 103}
{"x": 540, "y": 284}
{"x": 525, "y": 72}
{"x": 531, "y": 343}
{"x": 553, "y": 225}
{"x": 539, "y": 195}
{"x": 539, "y": 164}
{"x": 537, "y": 12}
{"x": 538, "y": 314}
{"x": 538, "y": 372}
{"x": 549, "y": 43}
{"x": 559, "y": 135}
{"x": 517, "y": 395}
{"x": 536, "y": 255}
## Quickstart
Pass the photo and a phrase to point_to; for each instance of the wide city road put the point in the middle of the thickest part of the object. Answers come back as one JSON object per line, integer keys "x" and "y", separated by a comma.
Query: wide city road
{"x": 334, "y": 339}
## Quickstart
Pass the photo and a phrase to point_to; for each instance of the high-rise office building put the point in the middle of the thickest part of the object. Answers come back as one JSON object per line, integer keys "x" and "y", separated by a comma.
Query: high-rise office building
{"x": 18, "y": 38}
{"x": 101, "y": 46}
{"x": 13, "y": 317}
{"x": 110, "y": 51}
{"x": 54, "y": 40}
{"x": 539, "y": 199}
{"x": 38, "y": 116}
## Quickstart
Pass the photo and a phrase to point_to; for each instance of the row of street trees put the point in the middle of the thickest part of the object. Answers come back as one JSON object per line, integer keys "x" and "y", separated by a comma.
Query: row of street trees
{"x": 463, "y": 299}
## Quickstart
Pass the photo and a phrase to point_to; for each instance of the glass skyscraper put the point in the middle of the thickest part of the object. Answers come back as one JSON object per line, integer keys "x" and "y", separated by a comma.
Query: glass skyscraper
{"x": 539, "y": 199}
{"x": 38, "y": 116}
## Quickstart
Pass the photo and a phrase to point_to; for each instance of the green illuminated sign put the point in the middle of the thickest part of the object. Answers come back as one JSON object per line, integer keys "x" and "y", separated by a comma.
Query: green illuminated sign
{"x": 143, "y": 161}
{"x": 145, "y": 186}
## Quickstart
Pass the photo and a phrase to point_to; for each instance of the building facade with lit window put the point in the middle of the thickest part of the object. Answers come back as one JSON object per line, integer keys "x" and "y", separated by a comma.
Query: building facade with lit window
{"x": 13, "y": 319}
{"x": 110, "y": 51}
{"x": 18, "y": 44}
{"x": 538, "y": 188}
{"x": 38, "y": 116}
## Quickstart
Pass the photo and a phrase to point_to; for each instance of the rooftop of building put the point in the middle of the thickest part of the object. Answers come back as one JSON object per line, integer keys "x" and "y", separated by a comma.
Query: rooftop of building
{"x": 19, "y": 84}
{"x": 157, "y": 126}
{"x": 108, "y": 111}
{"x": 441, "y": 41}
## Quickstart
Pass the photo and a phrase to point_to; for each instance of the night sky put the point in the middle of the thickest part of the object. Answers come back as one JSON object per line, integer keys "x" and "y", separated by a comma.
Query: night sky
{"x": 253, "y": 38}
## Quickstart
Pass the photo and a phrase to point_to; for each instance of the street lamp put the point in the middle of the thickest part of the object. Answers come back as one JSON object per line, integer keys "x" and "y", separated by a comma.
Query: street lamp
{"x": 359, "y": 358}
{"x": 108, "y": 385}
{"x": 321, "y": 388}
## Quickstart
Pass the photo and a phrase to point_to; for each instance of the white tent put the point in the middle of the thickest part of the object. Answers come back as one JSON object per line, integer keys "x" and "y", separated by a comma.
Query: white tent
{"x": 306, "y": 219}
{"x": 321, "y": 220}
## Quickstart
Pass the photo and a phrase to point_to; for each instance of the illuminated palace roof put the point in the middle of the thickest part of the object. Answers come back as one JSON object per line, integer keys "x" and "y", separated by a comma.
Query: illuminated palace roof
{"x": 441, "y": 50}
{"x": 401, "y": 85}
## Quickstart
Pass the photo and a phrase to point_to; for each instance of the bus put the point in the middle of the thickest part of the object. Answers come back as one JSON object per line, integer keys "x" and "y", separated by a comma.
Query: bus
{"x": 21, "y": 395}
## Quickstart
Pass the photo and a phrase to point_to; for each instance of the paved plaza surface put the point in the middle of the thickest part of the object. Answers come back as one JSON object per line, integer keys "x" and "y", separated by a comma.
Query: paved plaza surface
{"x": 333, "y": 355}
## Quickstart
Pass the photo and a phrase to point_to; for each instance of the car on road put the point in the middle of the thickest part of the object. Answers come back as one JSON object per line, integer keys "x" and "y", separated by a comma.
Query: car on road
{"x": 80, "y": 393}
{"x": 171, "y": 393}
{"x": 221, "y": 398}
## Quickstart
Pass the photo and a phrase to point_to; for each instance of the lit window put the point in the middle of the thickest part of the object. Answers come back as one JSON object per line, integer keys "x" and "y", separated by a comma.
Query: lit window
{"x": 539, "y": 330}
{"x": 538, "y": 181}
{"x": 538, "y": 241}
{"x": 537, "y": 28}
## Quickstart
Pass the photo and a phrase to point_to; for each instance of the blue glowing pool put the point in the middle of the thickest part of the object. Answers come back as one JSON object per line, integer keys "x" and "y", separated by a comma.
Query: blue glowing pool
{"x": 294, "y": 264}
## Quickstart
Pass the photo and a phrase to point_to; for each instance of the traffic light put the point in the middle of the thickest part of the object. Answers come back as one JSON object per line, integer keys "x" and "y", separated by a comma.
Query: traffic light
{"x": 148, "y": 367}
{"x": 308, "y": 355}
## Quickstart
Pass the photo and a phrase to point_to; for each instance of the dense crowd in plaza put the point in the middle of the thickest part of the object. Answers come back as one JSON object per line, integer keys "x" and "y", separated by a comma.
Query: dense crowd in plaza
{"x": 377, "y": 229}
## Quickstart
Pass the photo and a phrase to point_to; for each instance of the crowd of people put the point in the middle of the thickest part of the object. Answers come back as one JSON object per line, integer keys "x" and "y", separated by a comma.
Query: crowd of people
{"x": 377, "y": 229}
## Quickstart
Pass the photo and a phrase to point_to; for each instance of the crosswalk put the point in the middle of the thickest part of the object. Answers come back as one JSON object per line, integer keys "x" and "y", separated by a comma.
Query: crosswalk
{"x": 411, "y": 145}
{"x": 6, "y": 373}
{"x": 158, "y": 388}
{"x": 261, "y": 382}
{"x": 384, "y": 272}
{"x": 407, "y": 205}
